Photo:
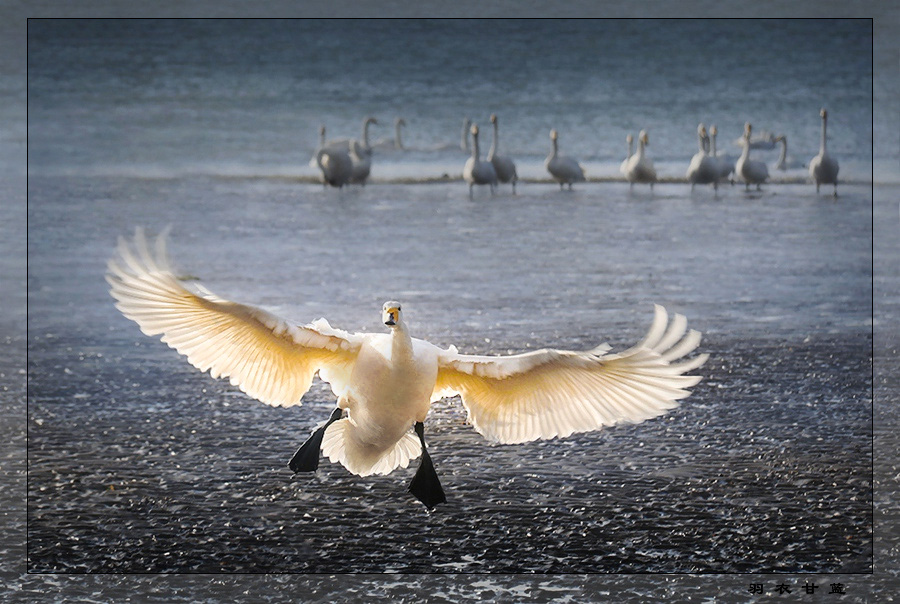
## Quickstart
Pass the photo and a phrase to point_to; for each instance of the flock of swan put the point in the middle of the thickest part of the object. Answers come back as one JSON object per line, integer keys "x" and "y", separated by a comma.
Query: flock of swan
{"x": 348, "y": 161}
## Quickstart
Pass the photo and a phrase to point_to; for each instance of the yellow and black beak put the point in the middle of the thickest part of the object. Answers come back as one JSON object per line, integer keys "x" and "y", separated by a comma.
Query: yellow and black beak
{"x": 391, "y": 315}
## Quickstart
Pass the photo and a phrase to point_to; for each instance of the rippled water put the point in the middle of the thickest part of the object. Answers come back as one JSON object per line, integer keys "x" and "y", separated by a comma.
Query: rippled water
{"x": 140, "y": 463}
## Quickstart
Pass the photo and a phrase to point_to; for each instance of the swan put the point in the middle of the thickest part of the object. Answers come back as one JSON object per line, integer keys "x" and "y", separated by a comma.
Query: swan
{"x": 752, "y": 172}
{"x": 640, "y": 167}
{"x": 477, "y": 171}
{"x": 503, "y": 166}
{"x": 823, "y": 168}
{"x": 464, "y": 143}
{"x": 725, "y": 164}
{"x": 395, "y": 144}
{"x": 343, "y": 144}
{"x": 784, "y": 162}
{"x": 564, "y": 169}
{"x": 361, "y": 160}
{"x": 765, "y": 141}
{"x": 623, "y": 168}
{"x": 703, "y": 168}
{"x": 336, "y": 167}
{"x": 386, "y": 382}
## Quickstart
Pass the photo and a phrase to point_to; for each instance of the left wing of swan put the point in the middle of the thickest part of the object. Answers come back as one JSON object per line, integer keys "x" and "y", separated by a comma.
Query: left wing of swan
{"x": 550, "y": 393}
{"x": 266, "y": 357}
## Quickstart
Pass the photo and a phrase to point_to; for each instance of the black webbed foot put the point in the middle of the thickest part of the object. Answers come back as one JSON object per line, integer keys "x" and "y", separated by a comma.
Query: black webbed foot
{"x": 425, "y": 485}
{"x": 306, "y": 459}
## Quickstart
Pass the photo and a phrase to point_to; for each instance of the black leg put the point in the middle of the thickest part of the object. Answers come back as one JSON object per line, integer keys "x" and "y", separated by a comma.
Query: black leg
{"x": 306, "y": 459}
{"x": 425, "y": 485}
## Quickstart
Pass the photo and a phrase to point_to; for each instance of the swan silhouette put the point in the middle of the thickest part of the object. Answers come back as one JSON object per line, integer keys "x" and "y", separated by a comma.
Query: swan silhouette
{"x": 751, "y": 172}
{"x": 640, "y": 167}
{"x": 823, "y": 168}
{"x": 385, "y": 383}
{"x": 564, "y": 169}
{"x": 476, "y": 170}
{"x": 503, "y": 166}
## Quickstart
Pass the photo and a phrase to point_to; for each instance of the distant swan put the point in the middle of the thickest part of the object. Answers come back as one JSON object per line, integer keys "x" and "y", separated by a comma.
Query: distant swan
{"x": 392, "y": 144}
{"x": 385, "y": 383}
{"x": 703, "y": 168}
{"x": 724, "y": 164}
{"x": 750, "y": 171}
{"x": 823, "y": 168}
{"x": 784, "y": 162}
{"x": 623, "y": 167}
{"x": 504, "y": 166}
{"x": 464, "y": 143}
{"x": 564, "y": 169}
{"x": 476, "y": 171}
{"x": 764, "y": 141}
{"x": 640, "y": 167}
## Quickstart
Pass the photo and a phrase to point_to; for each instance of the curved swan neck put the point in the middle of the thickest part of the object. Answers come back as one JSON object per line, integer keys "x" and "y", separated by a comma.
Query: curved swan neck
{"x": 365, "y": 132}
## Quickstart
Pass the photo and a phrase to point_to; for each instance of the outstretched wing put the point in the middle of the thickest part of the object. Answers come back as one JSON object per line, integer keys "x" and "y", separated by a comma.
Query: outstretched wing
{"x": 266, "y": 357}
{"x": 549, "y": 393}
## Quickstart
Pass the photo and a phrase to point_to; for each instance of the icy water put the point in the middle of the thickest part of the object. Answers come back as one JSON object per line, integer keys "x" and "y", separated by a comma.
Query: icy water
{"x": 139, "y": 463}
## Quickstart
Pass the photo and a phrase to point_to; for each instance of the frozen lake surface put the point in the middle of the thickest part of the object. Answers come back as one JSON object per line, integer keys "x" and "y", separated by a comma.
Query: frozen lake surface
{"x": 140, "y": 463}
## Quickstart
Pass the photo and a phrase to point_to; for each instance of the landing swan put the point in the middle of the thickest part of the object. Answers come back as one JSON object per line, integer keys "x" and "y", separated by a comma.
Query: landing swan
{"x": 640, "y": 167}
{"x": 623, "y": 167}
{"x": 503, "y": 166}
{"x": 386, "y": 382}
{"x": 702, "y": 169}
{"x": 564, "y": 169}
{"x": 823, "y": 168}
{"x": 477, "y": 171}
{"x": 751, "y": 172}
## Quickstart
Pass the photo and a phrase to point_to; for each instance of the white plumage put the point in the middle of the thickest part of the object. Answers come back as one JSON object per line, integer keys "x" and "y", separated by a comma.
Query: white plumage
{"x": 503, "y": 166}
{"x": 565, "y": 170}
{"x": 477, "y": 171}
{"x": 751, "y": 172}
{"x": 640, "y": 167}
{"x": 386, "y": 382}
{"x": 623, "y": 167}
{"x": 724, "y": 164}
{"x": 823, "y": 168}
{"x": 702, "y": 169}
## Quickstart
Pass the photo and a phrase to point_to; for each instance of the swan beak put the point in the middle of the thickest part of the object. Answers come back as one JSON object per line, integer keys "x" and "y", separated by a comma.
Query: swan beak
{"x": 390, "y": 316}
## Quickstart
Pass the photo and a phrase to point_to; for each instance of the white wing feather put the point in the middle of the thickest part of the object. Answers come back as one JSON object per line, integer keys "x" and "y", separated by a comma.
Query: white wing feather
{"x": 266, "y": 357}
{"x": 550, "y": 393}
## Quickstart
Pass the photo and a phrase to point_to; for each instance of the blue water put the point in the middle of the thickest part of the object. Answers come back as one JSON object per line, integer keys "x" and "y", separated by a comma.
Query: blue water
{"x": 246, "y": 98}
{"x": 138, "y": 462}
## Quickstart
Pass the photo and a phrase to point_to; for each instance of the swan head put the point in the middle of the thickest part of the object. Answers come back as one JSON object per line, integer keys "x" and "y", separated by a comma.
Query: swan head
{"x": 629, "y": 139}
{"x": 400, "y": 121}
{"x": 823, "y": 113}
{"x": 747, "y": 130}
{"x": 643, "y": 137}
{"x": 371, "y": 120}
{"x": 493, "y": 118}
{"x": 474, "y": 130}
{"x": 701, "y": 129}
{"x": 554, "y": 134}
{"x": 390, "y": 313}
{"x": 713, "y": 130}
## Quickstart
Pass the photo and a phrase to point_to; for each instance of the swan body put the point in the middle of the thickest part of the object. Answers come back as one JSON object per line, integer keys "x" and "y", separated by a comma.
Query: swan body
{"x": 823, "y": 168}
{"x": 361, "y": 161}
{"x": 386, "y": 382}
{"x": 336, "y": 167}
{"x": 703, "y": 169}
{"x": 565, "y": 170}
{"x": 725, "y": 164}
{"x": 640, "y": 167}
{"x": 476, "y": 170}
{"x": 503, "y": 166}
{"x": 623, "y": 167}
{"x": 751, "y": 172}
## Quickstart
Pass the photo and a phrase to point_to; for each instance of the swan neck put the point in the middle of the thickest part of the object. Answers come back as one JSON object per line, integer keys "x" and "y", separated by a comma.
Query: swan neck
{"x": 630, "y": 149}
{"x": 783, "y": 156}
{"x": 494, "y": 142}
{"x": 712, "y": 144}
{"x": 365, "y": 134}
{"x": 824, "y": 135}
{"x": 475, "y": 146}
{"x": 401, "y": 342}
{"x": 745, "y": 152}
